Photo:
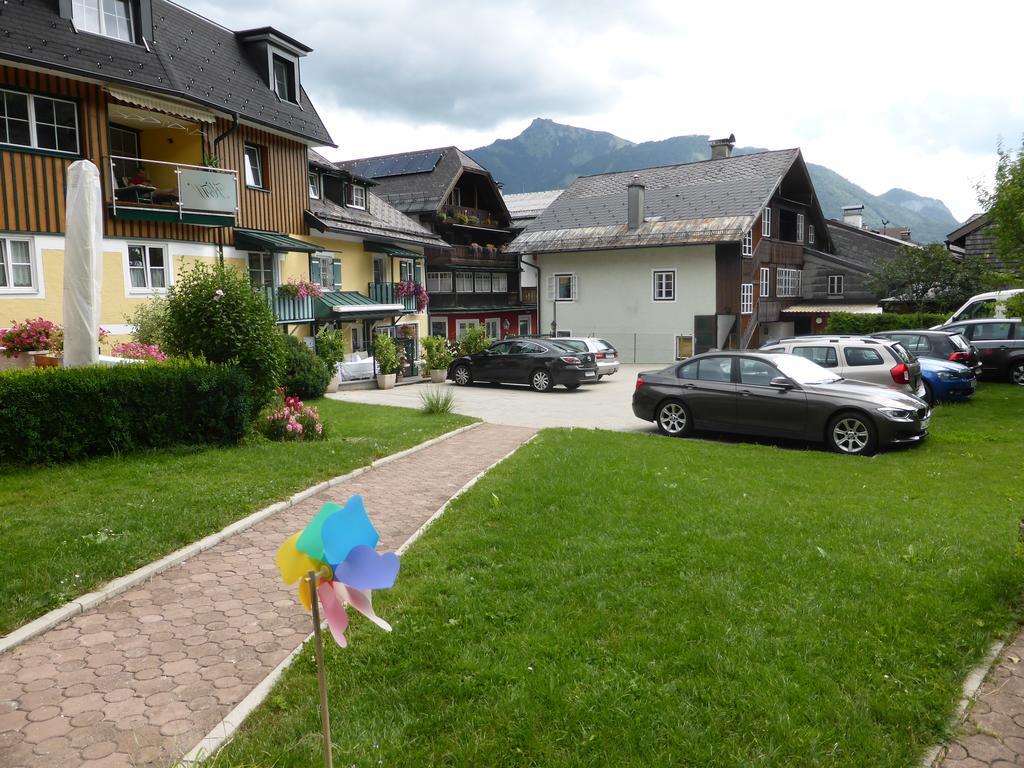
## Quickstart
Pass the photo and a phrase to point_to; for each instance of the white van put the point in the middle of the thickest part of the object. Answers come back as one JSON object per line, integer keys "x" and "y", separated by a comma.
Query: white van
{"x": 984, "y": 306}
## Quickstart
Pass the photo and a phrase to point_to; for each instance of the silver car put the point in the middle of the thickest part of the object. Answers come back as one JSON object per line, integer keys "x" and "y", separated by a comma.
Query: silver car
{"x": 858, "y": 358}
{"x": 606, "y": 355}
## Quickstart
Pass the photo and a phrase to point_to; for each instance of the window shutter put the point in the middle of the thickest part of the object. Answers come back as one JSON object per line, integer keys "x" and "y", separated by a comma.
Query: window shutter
{"x": 314, "y": 270}
{"x": 575, "y": 289}
{"x": 336, "y": 264}
{"x": 551, "y": 288}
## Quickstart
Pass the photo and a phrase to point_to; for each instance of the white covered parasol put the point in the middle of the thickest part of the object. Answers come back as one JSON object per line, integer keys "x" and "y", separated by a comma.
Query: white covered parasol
{"x": 83, "y": 265}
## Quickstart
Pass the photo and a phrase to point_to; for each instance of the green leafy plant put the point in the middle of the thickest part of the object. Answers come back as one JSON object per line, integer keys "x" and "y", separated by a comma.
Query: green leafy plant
{"x": 331, "y": 346}
{"x": 462, "y": 218}
{"x": 437, "y": 400}
{"x": 474, "y": 340}
{"x": 214, "y": 313}
{"x": 149, "y": 320}
{"x": 1015, "y": 306}
{"x": 305, "y": 374}
{"x": 436, "y": 352}
{"x": 1005, "y": 206}
{"x": 60, "y": 414}
{"x": 385, "y": 353}
{"x": 863, "y": 325}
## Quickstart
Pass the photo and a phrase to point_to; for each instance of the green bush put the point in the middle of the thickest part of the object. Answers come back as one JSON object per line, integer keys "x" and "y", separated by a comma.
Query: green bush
{"x": 474, "y": 340}
{"x": 59, "y": 414}
{"x": 330, "y": 347}
{"x": 862, "y": 325}
{"x": 213, "y": 312}
{"x": 436, "y": 352}
{"x": 385, "y": 354}
{"x": 305, "y": 375}
{"x": 150, "y": 321}
{"x": 438, "y": 400}
{"x": 1015, "y": 306}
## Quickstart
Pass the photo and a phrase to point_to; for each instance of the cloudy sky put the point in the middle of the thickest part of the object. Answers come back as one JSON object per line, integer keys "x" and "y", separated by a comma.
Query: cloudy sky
{"x": 900, "y": 93}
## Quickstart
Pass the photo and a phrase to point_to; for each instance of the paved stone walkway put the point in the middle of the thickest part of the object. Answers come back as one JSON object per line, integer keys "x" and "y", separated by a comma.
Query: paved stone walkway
{"x": 993, "y": 736}
{"x": 140, "y": 679}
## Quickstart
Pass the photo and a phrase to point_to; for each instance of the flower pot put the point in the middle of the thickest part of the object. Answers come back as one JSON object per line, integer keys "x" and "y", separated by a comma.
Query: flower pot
{"x": 386, "y": 380}
{"x": 46, "y": 360}
{"x": 334, "y": 383}
{"x": 438, "y": 375}
{"x": 24, "y": 360}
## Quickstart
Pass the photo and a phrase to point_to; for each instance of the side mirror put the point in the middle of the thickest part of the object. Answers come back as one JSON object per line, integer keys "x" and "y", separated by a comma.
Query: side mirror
{"x": 781, "y": 382}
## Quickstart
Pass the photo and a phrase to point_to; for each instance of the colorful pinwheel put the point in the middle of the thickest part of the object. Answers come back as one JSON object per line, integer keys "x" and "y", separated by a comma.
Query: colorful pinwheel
{"x": 338, "y": 545}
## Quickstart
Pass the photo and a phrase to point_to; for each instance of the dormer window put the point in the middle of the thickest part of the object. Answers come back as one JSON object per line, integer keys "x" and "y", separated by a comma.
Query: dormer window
{"x": 314, "y": 185}
{"x": 111, "y": 18}
{"x": 357, "y": 196}
{"x": 285, "y": 80}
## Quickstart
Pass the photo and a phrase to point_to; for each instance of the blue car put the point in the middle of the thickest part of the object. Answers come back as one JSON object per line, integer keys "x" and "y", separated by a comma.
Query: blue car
{"x": 945, "y": 380}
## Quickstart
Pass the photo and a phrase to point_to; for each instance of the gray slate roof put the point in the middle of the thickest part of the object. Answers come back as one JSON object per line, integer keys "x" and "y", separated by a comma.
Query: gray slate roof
{"x": 861, "y": 247}
{"x": 703, "y": 202}
{"x": 379, "y": 221}
{"x": 191, "y": 58}
{"x": 422, "y": 192}
{"x": 525, "y": 206}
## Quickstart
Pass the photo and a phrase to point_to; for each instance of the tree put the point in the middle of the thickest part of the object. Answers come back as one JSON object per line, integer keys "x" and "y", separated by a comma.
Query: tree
{"x": 1005, "y": 206}
{"x": 929, "y": 276}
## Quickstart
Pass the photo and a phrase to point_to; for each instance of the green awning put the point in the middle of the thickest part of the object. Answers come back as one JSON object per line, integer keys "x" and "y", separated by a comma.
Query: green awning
{"x": 391, "y": 250}
{"x": 352, "y": 305}
{"x": 274, "y": 242}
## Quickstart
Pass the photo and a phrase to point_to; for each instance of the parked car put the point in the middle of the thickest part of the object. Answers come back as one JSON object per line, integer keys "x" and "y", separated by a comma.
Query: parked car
{"x": 940, "y": 345}
{"x": 944, "y": 380}
{"x": 991, "y": 304}
{"x": 778, "y": 395}
{"x": 605, "y": 354}
{"x": 1000, "y": 345}
{"x": 858, "y": 358}
{"x": 541, "y": 363}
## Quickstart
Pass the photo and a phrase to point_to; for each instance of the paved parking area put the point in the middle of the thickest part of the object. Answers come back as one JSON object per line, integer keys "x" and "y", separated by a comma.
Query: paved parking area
{"x": 602, "y": 405}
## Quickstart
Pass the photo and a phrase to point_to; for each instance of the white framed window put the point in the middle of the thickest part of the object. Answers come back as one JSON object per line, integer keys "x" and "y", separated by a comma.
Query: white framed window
{"x": 788, "y": 282}
{"x": 836, "y": 284}
{"x": 482, "y": 282}
{"x": 111, "y": 18}
{"x": 461, "y": 326}
{"x": 325, "y": 270}
{"x": 285, "y": 71}
{"x": 499, "y": 282}
{"x": 314, "y": 185}
{"x": 148, "y": 268}
{"x": 810, "y": 235}
{"x": 254, "y": 166}
{"x": 439, "y": 282}
{"x": 17, "y": 266}
{"x": 357, "y": 196}
{"x": 766, "y": 223}
{"x": 747, "y": 248}
{"x": 492, "y": 326}
{"x": 746, "y": 298}
{"x": 439, "y": 326}
{"x": 664, "y": 284}
{"x": 261, "y": 269}
{"x": 766, "y": 282}
{"x": 563, "y": 287}
{"x": 463, "y": 282}
{"x": 525, "y": 325}
{"x": 27, "y": 120}
{"x": 799, "y": 227}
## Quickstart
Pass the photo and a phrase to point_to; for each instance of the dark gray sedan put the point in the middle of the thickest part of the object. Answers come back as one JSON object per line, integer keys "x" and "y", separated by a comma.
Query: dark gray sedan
{"x": 777, "y": 395}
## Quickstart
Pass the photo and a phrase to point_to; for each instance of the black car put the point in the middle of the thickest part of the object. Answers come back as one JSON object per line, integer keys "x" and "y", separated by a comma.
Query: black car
{"x": 1000, "y": 345}
{"x": 940, "y": 345}
{"x": 777, "y": 395}
{"x": 541, "y": 363}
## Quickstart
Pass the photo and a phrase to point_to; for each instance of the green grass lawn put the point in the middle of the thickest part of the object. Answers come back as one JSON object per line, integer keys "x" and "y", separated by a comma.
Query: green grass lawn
{"x": 630, "y": 600}
{"x": 65, "y": 530}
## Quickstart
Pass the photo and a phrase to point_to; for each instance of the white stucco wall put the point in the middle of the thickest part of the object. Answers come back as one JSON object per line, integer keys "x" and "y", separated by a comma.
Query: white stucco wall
{"x": 615, "y": 298}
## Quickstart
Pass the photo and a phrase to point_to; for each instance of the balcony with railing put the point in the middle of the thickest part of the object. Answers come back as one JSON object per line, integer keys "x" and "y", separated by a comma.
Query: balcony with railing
{"x": 471, "y": 256}
{"x": 474, "y": 300}
{"x": 153, "y": 190}
{"x": 287, "y": 307}
{"x": 388, "y": 293}
{"x": 467, "y": 217}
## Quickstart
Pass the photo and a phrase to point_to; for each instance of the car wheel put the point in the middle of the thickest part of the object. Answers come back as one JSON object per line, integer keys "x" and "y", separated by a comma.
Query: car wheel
{"x": 1017, "y": 373}
{"x": 540, "y": 380}
{"x": 572, "y": 386}
{"x": 674, "y": 419}
{"x": 462, "y": 375}
{"x": 852, "y": 434}
{"x": 929, "y": 396}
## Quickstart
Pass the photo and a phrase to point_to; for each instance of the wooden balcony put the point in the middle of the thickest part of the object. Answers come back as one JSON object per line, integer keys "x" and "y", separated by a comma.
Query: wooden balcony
{"x": 469, "y": 217}
{"x": 529, "y": 295}
{"x": 387, "y": 293}
{"x": 440, "y": 302}
{"x": 288, "y": 308}
{"x": 780, "y": 252}
{"x": 471, "y": 256}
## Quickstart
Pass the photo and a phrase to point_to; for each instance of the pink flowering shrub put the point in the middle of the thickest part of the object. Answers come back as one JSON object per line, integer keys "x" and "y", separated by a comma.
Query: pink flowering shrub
{"x": 289, "y": 419}
{"x": 136, "y": 350}
{"x": 300, "y": 289}
{"x": 408, "y": 288}
{"x": 28, "y": 336}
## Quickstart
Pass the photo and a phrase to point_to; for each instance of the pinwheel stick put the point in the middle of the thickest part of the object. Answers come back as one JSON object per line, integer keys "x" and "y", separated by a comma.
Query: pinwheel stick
{"x": 325, "y": 715}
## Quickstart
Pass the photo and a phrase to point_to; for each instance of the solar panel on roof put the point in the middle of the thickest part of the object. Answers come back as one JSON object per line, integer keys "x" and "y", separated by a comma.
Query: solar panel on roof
{"x": 399, "y": 165}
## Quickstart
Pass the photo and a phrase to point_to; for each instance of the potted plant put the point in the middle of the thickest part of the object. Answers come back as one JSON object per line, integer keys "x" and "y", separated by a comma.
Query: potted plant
{"x": 385, "y": 354}
{"x": 331, "y": 347}
{"x": 438, "y": 357}
{"x": 23, "y": 338}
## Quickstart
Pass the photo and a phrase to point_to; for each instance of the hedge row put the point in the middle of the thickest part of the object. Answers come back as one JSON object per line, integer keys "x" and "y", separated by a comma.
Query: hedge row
{"x": 58, "y": 414}
{"x": 861, "y": 325}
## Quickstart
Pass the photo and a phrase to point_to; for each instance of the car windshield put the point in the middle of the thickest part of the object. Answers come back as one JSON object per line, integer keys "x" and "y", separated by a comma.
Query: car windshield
{"x": 579, "y": 346}
{"x": 803, "y": 371}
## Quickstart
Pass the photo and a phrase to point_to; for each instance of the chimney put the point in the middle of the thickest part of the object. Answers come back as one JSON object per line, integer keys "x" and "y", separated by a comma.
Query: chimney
{"x": 635, "y": 200}
{"x": 721, "y": 148}
{"x": 853, "y": 215}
